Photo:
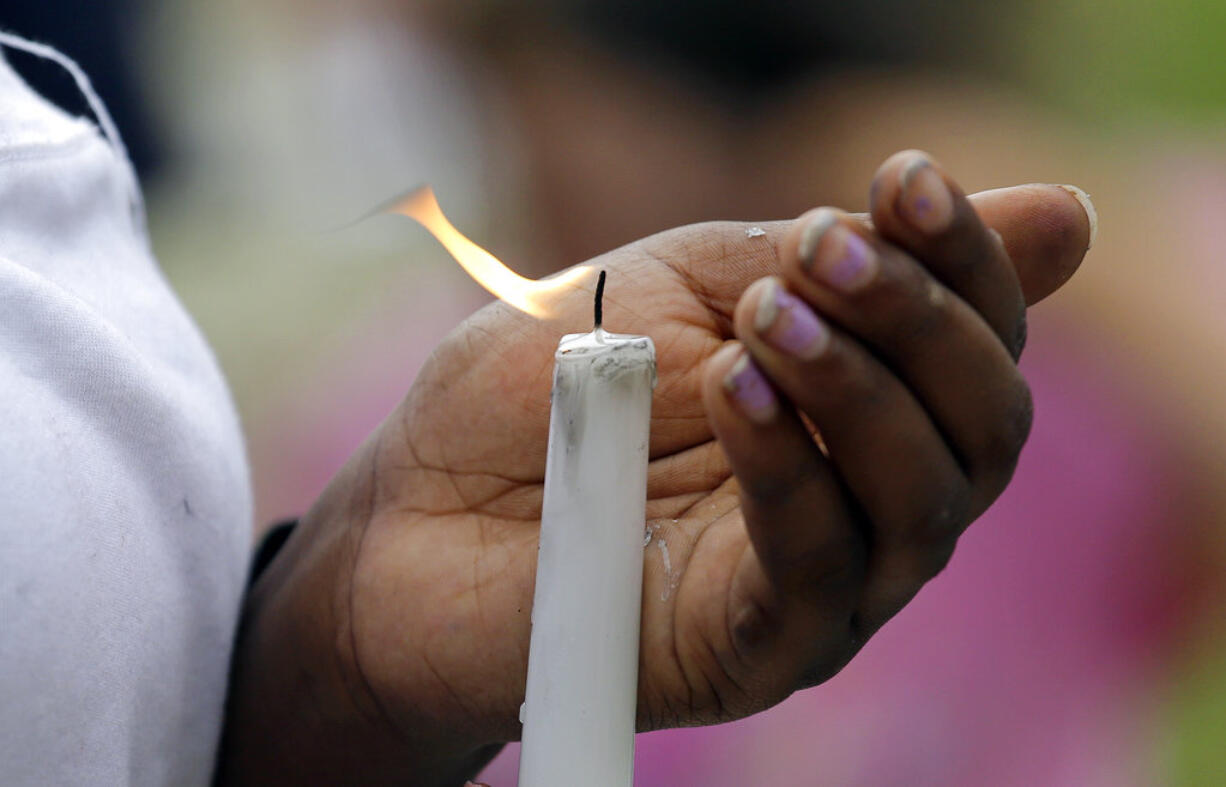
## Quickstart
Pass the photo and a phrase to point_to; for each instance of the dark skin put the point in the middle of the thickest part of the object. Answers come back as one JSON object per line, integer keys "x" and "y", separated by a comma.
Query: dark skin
{"x": 388, "y": 642}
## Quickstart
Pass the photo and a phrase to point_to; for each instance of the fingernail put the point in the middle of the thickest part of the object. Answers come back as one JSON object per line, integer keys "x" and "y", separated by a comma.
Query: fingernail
{"x": 788, "y": 324}
{"x": 925, "y": 200}
{"x": 812, "y": 234}
{"x": 843, "y": 261}
{"x": 750, "y": 391}
{"x": 1091, "y": 213}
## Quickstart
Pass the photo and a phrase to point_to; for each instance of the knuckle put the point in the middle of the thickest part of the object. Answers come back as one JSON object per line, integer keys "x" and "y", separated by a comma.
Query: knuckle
{"x": 941, "y": 520}
{"x": 925, "y": 559}
{"x": 1003, "y": 446}
{"x": 919, "y": 307}
{"x": 849, "y": 379}
{"x": 888, "y": 599}
{"x": 936, "y": 559}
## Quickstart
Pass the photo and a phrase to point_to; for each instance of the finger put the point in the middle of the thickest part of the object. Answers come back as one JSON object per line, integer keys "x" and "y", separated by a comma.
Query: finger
{"x": 808, "y": 549}
{"x": 1045, "y": 230}
{"x": 940, "y": 347}
{"x": 884, "y": 446}
{"x": 920, "y": 209}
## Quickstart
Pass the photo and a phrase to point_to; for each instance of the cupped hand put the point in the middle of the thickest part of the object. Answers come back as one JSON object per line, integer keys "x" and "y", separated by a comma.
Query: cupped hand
{"x": 838, "y": 399}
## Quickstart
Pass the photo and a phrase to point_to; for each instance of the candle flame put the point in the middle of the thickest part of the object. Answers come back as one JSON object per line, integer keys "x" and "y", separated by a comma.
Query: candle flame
{"x": 532, "y": 296}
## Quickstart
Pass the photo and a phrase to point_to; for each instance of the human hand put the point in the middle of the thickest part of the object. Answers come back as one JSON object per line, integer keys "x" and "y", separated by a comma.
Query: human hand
{"x": 406, "y": 591}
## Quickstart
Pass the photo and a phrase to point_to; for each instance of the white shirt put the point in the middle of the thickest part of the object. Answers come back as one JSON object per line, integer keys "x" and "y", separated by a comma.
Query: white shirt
{"x": 125, "y": 503}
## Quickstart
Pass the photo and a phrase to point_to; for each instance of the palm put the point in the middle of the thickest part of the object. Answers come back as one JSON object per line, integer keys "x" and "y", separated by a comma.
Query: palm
{"x": 447, "y": 563}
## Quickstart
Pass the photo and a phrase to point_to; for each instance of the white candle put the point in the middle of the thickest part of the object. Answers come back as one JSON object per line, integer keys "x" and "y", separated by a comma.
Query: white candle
{"x": 579, "y": 713}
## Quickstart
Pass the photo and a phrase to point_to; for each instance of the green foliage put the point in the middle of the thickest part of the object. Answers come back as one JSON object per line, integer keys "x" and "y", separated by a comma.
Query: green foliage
{"x": 1127, "y": 59}
{"x": 1194, "y": 754}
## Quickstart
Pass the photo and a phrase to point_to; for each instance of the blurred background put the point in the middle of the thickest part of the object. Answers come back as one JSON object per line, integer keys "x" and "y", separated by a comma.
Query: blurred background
{"x": 1078, "y": 636}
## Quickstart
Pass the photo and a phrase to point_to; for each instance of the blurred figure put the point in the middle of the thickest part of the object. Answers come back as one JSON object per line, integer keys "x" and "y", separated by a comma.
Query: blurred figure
{"x": 1041, "y": 656}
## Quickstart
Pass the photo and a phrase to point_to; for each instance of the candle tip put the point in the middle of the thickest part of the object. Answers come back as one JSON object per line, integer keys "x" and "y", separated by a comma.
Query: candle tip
{"x": 600, "y": 299}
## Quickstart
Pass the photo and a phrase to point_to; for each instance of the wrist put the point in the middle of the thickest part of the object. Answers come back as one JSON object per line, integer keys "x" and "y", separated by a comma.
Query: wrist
{"x": 299, "y": 709}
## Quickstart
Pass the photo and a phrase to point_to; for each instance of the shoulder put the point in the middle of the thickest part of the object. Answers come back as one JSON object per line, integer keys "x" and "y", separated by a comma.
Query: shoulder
{"x": 124, "y": 497}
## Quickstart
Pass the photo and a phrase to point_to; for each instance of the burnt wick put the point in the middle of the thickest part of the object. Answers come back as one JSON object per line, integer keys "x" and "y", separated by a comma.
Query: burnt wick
{"x": 600, "y": 299}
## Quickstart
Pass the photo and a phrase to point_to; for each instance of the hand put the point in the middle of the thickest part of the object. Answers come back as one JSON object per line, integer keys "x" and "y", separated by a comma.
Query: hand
{"x": 397, "y": 616}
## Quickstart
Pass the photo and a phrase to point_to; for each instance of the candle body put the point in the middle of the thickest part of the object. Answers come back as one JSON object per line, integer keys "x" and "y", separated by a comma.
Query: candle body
{"x": 579, "y": 713}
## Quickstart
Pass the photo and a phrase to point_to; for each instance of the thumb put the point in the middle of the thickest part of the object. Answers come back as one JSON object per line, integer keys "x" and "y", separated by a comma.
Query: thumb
{"x": 1046, "y": 230}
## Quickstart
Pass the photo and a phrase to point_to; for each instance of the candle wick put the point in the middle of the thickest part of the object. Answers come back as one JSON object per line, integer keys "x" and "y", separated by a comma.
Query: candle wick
{"x": 600, "y": 300}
